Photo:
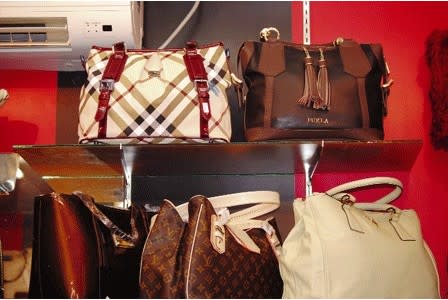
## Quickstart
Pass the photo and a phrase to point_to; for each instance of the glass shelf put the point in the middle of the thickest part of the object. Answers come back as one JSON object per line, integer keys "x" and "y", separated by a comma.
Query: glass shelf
{"x": 55, "y": 161}
{"x": 99, "y": 169}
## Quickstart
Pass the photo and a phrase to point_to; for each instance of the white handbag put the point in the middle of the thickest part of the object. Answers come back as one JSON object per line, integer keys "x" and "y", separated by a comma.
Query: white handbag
{"x": 342, "y": 249}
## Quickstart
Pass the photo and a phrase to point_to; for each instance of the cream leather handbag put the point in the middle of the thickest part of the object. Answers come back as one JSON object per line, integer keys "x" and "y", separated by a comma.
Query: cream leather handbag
{"x": 342, "y": 249}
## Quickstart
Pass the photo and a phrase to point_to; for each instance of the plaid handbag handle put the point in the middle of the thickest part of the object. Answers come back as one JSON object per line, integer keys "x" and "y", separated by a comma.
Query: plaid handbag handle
{"x": 114, "y": 68}
{"x": 198, "y": 75}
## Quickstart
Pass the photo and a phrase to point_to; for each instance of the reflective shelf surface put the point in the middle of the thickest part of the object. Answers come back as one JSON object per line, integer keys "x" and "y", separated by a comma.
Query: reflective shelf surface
{"x": 99, "y": 169}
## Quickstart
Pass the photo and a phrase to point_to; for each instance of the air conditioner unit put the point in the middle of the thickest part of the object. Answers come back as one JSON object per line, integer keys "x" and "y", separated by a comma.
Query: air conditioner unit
{"x": 53, "y": 35}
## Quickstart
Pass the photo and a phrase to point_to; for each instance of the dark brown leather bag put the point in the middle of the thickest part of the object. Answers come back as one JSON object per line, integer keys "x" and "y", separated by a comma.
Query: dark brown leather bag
{"x": 331, "y": 91}
{"x": 82, "y": 249}
{"x": 201, "y": 255}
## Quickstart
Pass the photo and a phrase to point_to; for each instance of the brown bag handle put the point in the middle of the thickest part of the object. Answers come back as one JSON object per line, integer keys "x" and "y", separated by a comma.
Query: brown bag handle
{"x": 120, "y": 238}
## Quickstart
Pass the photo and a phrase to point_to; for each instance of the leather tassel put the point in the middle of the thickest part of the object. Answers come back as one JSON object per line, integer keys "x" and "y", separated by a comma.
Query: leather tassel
{"x": 323, "y": 83}
{"x": 310, "y": 96}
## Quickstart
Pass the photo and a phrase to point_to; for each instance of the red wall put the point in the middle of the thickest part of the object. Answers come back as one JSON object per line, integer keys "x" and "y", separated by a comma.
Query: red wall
{"x": 402, "y": 28}
{"x": 29, "y": 115}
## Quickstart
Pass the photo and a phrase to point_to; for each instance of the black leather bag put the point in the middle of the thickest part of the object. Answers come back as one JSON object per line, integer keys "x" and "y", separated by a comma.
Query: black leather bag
{"x": 86, "y": 250}
{"x": 329, "y": 91}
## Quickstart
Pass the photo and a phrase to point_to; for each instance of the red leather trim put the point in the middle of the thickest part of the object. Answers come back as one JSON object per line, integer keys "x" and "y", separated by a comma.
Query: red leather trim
{"x": 196, "y": 71}
{"x": 112, "y": 73}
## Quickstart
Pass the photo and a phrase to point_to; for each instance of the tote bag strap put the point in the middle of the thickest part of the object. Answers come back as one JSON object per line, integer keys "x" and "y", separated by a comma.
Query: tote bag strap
{"x": 368, "y": 182}
{"x": 265, "y": 202}
{"x": 239, "y": 222}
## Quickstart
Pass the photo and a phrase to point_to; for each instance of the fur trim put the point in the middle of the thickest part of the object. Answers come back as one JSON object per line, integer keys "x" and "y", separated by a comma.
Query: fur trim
{"x": 437, "y": 60}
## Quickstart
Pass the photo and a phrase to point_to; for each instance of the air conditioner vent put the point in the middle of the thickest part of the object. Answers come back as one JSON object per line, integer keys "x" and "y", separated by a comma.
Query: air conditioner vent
{"x": 34, "y": 32}
{"x": 53, "y": 35}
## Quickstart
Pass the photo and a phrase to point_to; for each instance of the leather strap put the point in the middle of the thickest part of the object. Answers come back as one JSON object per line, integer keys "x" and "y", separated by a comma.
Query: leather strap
{"x": 371, "y": 182}
{"x": 271, "y": 63}
{"x": 195, "y": 67}
{"x": 121, "y": 239}
{"x": 242, "y": 220}
{"x": 267, "y": 201}
{"x": 114, "y": 68}
{"x": 382, "y": 205}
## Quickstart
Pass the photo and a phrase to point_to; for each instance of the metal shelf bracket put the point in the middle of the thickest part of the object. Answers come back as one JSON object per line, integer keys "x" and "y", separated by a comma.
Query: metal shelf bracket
{"x": 310, "y": 155}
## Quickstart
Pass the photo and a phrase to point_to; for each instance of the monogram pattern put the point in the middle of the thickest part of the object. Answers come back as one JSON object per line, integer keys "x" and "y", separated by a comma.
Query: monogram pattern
{"x": 156, "y": 104}
{"x": 159, "y": 271}
{"x": 202, "y": 272}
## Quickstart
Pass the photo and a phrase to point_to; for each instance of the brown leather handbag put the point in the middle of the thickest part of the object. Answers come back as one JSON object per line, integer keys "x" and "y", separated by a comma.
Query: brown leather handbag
{"x": 86, "y": 250}
{"x": 200, "y": 250}
{"x": 330, "y": 91}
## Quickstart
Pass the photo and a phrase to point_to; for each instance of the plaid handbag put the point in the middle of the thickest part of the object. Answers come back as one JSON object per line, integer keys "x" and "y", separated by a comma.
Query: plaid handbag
{"x": 156, "y": 96}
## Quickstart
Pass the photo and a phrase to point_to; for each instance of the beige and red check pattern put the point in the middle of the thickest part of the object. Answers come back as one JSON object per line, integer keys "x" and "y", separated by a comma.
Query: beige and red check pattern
{"x": 155, "y": 101}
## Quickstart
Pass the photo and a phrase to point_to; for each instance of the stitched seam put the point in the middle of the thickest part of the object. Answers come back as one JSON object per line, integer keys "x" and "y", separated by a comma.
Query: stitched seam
{"x": 191, "y": 252}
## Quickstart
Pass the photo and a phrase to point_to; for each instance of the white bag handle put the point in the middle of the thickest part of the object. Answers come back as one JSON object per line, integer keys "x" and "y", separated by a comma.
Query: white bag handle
{"x": 381, "y": 205}
{"x": 371, "y": 182}
{"x": 242, "y": 220}
{"x": 237, "y": 223}
{"x": 266, "y": 202}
